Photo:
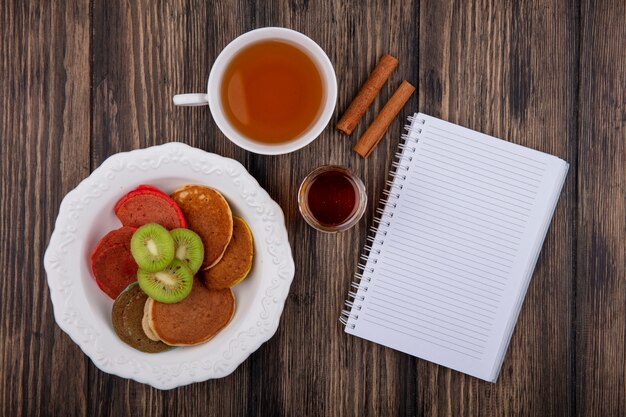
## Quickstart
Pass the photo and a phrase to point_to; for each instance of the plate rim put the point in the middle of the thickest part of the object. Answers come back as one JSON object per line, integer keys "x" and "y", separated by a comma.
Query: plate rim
{"x": 186, "y": 375}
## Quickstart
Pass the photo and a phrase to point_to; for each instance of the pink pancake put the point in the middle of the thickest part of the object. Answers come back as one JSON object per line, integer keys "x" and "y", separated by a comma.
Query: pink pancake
{"x": 144, "y": 205}
{"x": 114, "y": 269}
{"x": 115, "y": 237}
{"x": 150, "y": 188}
{"x": 141, "y": 188}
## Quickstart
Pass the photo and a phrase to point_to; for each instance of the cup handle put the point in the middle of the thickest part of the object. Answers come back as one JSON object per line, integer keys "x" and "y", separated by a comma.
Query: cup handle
{"x": 191, "y": 100}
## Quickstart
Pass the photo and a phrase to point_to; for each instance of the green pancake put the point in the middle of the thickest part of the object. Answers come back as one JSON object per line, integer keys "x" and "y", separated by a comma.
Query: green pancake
{"x": 127, "y": 314}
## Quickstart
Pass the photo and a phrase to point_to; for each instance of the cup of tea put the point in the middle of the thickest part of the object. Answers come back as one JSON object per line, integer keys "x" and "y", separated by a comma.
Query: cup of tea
{"x": 270, "y": 91}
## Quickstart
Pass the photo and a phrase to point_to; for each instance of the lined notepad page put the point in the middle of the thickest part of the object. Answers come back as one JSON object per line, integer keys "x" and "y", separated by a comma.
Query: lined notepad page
{"x": 456, "y": 248}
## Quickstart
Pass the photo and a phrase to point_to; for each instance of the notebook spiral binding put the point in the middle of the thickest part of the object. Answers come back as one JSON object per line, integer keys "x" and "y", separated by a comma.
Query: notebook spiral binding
{"x": 367, "y": 264}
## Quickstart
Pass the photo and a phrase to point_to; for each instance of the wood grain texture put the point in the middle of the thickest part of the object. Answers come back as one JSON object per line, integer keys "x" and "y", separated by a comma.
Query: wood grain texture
{"x": 44, "y": 153}
{"x": 86, "y": 79}
{"x": 601, "y": 244}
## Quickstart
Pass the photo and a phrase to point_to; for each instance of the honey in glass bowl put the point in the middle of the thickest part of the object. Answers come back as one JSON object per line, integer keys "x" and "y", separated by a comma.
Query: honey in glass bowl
{"x": 332, "y": 199}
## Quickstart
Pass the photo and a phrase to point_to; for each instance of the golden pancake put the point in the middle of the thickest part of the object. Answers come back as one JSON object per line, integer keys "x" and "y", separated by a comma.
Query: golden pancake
{"x": 195, "y": 319}
{"x": 127, "y": 314}
{"x": 145, "y": 322}
{"x": 208, "y": 214}
{"x": 237, "y": 260}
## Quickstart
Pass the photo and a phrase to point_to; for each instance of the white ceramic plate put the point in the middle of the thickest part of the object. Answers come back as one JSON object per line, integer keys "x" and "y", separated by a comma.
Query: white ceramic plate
{"x": 83, "y": 311}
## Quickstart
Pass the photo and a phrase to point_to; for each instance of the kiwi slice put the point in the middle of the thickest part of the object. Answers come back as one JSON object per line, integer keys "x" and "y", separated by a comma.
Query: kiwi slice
{"x": 188, "y": 248}
{"x": 169, "y": 285}
{"x": 152, "y": 246}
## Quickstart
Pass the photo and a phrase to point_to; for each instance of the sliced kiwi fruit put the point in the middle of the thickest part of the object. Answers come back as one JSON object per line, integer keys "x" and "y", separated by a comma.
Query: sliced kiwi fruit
{"x": 152, "y": 246}
{"x": 170, "y": 285}
{"x": 188, "y": 248}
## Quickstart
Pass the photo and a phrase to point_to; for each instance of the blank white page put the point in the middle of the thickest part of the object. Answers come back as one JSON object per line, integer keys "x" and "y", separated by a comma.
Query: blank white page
{"x": 456, "y": 246}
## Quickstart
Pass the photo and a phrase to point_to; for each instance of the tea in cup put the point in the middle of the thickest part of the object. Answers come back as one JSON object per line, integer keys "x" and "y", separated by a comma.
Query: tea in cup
{"x": 270, "y": 91}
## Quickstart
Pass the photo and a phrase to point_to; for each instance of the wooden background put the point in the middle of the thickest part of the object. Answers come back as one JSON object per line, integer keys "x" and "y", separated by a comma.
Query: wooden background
{"x": 82, "y": 79}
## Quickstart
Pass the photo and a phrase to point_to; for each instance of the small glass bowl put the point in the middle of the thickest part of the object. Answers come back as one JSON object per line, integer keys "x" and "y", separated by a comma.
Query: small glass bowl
{"x": 357, "y": 212}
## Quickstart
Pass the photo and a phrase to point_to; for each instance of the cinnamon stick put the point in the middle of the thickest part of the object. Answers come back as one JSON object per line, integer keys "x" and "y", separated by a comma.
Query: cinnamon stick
{"x": 379, "y": 126}
{"x": 367, "y": 94}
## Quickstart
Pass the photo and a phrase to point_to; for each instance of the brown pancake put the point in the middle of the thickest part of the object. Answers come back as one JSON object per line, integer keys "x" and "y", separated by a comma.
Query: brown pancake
{"x": 237, "y": 260}
{"x": 208, "y": 214}
{"x": 194, "y": 320}
{"x": 126, "y": 316}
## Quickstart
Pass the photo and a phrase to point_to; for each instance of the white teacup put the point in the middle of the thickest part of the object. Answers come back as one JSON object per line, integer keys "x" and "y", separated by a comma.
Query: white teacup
{"x": 212, "y": 97}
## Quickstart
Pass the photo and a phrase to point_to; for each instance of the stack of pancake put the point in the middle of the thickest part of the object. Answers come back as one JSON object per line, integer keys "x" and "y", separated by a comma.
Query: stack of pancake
{"x": 152, "y": 326}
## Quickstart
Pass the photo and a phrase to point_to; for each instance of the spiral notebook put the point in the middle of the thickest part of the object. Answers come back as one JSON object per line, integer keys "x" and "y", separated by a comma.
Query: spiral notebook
{"x": 448, "y": 264}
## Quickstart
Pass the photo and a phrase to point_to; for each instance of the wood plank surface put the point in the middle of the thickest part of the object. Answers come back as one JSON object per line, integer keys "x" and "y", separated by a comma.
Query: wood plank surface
{"x": 601, "y": 225}
{"x": 83, "y": 80}
{"x": 44, "y": 153}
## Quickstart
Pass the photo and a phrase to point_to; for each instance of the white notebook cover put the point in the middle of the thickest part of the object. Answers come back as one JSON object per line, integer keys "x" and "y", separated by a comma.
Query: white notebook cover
{"x": 455, "y": 248}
